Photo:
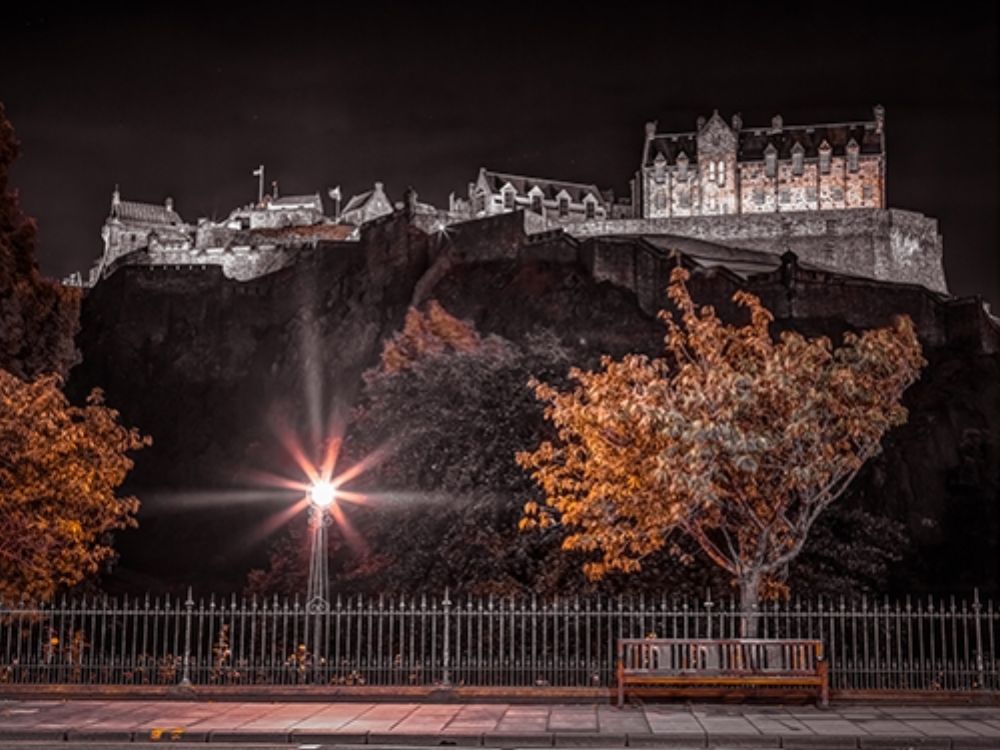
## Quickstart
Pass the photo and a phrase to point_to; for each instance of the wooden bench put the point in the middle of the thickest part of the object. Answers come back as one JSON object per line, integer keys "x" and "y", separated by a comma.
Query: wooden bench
{"x": 722, "y": 667}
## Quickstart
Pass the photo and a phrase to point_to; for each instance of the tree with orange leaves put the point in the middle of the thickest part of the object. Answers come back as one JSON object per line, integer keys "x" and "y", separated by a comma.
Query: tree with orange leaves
{"x": 59, "y": 468}
{"x": 733, "y": 439}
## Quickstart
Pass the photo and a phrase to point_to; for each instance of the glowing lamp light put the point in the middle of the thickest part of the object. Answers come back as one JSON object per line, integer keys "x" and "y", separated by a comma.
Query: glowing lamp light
{"x": 322, "y": 494}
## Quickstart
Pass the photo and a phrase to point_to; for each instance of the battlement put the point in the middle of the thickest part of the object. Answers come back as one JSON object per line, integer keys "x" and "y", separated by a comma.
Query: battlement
{"x": 882, "y": 244}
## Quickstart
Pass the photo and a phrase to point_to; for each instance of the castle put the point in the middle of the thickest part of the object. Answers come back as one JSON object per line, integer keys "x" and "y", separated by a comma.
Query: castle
{"x": 817, "y": 190}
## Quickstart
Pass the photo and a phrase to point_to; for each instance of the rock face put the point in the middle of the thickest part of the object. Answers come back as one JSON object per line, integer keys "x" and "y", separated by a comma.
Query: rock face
{"x": 222, "y": 373}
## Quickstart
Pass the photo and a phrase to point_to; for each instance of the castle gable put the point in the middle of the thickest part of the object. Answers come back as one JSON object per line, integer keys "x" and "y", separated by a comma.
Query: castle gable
{"x": 549, "y": 189}
{"x": 146, "y": 213}
{"x": 715, "y": 137}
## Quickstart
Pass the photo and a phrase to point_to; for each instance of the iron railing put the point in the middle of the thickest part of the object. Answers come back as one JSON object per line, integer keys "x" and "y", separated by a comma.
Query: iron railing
{"x": 914, "y": 644}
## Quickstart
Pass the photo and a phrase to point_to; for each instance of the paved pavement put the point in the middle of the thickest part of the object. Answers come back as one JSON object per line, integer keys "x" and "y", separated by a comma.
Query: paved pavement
{"x": 105, "y": 723}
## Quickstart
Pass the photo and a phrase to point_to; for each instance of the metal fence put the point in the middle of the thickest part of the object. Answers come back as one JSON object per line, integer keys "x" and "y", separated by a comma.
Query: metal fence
{"x": 918, "y": 644}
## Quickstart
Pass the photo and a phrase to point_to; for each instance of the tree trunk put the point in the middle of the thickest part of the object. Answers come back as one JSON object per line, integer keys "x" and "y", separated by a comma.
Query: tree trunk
{"x": 749, "y": 591}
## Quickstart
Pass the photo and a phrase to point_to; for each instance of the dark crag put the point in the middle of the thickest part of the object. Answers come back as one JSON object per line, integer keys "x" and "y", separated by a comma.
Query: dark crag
{"x": 212, "y": 368}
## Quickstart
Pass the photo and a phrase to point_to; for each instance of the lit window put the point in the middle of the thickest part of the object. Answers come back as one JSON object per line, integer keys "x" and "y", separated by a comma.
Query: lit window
{"x": 758, "y": 197}
{"x": 721, "y": 171}
{"x": 711, "y": 171}
{"x": 564, "y": 207}
{"x": 591, "y": 210}
{"x": 866, "y": 193}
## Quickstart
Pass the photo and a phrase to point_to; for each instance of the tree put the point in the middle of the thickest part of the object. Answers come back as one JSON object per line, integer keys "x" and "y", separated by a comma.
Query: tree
{"x": 447, "y": 408}
{"x": 453, "y": 406}
{"x": 732, "y": 439}
{"x": 38, "y": 316}
{"x": 59, "y": 468}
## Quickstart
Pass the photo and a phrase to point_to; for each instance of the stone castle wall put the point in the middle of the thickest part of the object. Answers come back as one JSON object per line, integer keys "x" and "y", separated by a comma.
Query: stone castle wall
{"x": 883, "y": 244}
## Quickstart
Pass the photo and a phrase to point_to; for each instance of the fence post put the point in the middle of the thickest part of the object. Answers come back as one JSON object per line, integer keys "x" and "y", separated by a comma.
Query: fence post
{"x": 709, "y": 604}
{"x": 977, "y": 608}
{"x": 446, "y": 653}
{"x": 186, "y": 676}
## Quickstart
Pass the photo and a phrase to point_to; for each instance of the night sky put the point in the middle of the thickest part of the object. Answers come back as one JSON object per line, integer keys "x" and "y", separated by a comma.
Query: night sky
{"x": 185, "y": 101}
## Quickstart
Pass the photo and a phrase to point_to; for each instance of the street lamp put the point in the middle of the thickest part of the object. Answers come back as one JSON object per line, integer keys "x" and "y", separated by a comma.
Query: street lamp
{"x": 321, "y": 496}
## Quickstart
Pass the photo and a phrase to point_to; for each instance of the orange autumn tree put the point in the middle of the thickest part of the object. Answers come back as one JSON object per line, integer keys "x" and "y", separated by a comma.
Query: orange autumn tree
{"x": 426, "y": 334}
{"x": 733, "y": 439}
{"x": 59, "y": 468}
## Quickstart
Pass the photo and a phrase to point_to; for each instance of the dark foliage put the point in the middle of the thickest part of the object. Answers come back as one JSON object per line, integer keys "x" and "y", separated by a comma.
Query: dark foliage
{"x": 38, "y": 317}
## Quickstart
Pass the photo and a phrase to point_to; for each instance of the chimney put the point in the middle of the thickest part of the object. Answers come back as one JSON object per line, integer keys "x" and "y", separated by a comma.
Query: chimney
{"x": 737, "y": 121}
{"x": 879, "y": 112}
{"x": 410, "y": 200}
{"x": 650, "y": 130}
{"x": 777, "y": 123}
{"x": 169, "y": 204}
{"x": 700, "y": 123}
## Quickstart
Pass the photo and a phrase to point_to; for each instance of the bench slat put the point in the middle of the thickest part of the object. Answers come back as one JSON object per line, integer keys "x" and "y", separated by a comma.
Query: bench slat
{"x": 726, "y": 662}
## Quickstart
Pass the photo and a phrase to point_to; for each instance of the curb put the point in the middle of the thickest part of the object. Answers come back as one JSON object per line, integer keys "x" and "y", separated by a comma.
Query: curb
{"x": 500, "y": 740}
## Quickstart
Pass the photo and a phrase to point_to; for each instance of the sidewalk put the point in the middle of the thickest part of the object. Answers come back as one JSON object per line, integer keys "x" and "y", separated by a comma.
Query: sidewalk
{"x": 671, "y": 725}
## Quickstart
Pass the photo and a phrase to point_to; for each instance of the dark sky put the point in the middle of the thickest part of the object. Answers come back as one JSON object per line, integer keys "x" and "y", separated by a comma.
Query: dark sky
{"x": 186, "y": 100}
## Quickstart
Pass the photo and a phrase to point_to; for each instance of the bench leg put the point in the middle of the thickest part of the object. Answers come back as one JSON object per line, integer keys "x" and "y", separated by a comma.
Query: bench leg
{"x": 621, "y": 683}
{"x": 824, "y": 688}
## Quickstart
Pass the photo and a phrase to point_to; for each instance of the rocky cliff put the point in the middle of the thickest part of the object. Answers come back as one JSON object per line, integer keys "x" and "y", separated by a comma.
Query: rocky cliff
{"x": 222, "y": 372}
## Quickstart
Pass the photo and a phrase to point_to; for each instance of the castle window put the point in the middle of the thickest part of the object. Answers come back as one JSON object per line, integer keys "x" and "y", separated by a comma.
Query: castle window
{"x": 508, "y": 199}
{"x": 770, "y": 160}
{"x": 824, "y": 157}
{"x": 838, "y": 194}
{"x": 811, "y": 194}
{"x": 798, "y": 155}
{"x": 866, "y": 193}
{"x": 660, "y": 200}
{"x": 536, "y": 203}
{"x": 682, "y": 166}
{"x": 784, "y": 195}
{"x": 659, "y": 165}
{"x": 711, "y": 171}
{"x": 758, "y": 197}
{"x": 591, "y": 210}
{"x": 852, "y": 156}
{"x": 684, "y": 199}
{"x": 721, "y": 172}
{"x": 563, "y": 207}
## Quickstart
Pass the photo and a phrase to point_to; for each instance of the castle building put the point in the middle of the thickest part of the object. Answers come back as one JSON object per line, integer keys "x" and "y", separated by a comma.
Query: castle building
{"x": 557, "y": 200}
{"x": 367, "y": 206}
{"x": 131, "y": 226}
{"x": 725, "y": 168}
{"x": 818, "y": 191}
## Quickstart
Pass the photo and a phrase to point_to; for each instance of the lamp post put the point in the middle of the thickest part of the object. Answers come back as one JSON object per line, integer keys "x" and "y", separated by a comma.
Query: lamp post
{"x": 321, "y": 496}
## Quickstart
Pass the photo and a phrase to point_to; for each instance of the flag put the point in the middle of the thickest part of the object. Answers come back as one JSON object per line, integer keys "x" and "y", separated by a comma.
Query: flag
{"x": 259, "y": 171}
{"x": 335, "y": 193}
